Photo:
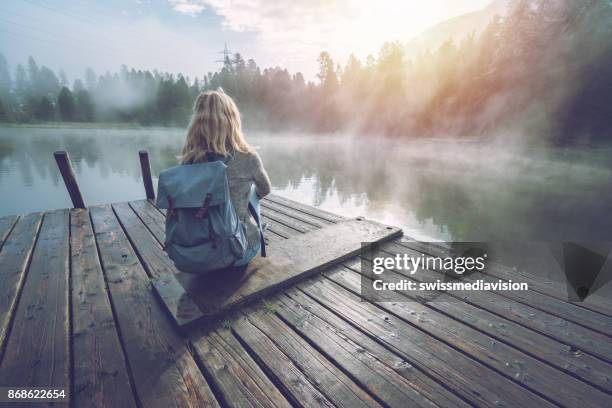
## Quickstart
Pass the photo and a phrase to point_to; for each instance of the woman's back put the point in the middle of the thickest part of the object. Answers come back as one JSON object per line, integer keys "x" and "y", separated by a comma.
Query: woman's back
{"x": 245, "y": 170}
{"x": 216, "y": 129}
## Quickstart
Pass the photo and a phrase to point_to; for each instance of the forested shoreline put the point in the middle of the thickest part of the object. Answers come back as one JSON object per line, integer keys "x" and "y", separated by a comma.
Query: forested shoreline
{"x": 542, "y": 68}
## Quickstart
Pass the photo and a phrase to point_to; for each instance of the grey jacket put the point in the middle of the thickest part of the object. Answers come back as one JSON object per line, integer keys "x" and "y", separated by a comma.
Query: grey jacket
{"x": 245, "y": 170}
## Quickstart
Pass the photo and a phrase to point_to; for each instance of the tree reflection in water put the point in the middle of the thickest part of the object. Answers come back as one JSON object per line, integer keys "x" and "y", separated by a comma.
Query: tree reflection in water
{"x": 442, "y": 189}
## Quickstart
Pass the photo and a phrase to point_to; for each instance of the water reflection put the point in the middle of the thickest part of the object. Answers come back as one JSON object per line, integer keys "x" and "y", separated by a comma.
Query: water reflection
{"x": 444, "y": 190}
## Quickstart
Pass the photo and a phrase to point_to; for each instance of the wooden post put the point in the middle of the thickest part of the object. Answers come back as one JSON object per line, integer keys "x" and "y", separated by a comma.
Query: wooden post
{"x": 65, "y": 167}
{"x": 146, "y": 174}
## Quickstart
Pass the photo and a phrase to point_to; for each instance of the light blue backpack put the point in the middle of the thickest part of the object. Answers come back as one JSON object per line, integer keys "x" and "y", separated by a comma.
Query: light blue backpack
{"x": 203, "y": 232}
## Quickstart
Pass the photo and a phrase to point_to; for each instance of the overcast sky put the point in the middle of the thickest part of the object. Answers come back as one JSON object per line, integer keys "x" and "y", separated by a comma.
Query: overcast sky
{"x": 187, "y": 35}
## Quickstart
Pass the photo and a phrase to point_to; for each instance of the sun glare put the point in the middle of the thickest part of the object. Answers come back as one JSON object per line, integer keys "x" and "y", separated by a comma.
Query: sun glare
{"x": 367, "y": 25}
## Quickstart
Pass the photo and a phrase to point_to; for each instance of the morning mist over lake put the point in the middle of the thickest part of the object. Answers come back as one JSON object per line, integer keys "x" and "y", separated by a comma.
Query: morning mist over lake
{"x": 481, "y": 192}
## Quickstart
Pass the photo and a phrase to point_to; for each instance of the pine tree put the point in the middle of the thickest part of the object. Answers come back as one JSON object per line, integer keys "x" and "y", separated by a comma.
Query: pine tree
{"x": 6, "y": 83}
{"x": 84, "y": 106}
{"x": 327, "y": 74}
{"x": 32, "y": 75}
{"x": 5, "y": 115}
{"x": 66, "y": 105}
{"x": 44, "y": 109}
{"x": 90, "y": 79}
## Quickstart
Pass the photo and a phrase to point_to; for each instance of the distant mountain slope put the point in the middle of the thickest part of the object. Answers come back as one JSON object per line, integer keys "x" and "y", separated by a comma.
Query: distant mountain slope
{"x": 456, "y": 28}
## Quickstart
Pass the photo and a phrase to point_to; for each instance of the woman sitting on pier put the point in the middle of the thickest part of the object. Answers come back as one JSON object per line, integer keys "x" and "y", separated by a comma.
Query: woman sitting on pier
{"x": 216, "y": 131}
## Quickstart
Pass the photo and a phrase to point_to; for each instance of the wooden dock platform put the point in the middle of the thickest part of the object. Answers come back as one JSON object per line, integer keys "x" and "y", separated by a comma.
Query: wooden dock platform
{"x": 77, "y": 310}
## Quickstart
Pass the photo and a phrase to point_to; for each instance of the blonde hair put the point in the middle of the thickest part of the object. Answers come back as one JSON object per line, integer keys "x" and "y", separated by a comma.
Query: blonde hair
{"x": 215, "y": 128}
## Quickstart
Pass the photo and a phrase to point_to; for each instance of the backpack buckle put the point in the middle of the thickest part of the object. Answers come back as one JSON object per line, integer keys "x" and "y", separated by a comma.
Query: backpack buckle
{"x": 201, "y": 213}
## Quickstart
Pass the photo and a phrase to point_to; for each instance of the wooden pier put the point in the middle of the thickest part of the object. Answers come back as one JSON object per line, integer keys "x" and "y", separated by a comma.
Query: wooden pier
{"x": 77, "y": 310}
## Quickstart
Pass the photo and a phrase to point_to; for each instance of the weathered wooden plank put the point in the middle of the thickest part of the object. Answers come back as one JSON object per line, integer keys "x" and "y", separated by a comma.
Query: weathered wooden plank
{"x": 472, "y": 380}
{"x": 379, "y": 378}
{"x": 330, "y": 381}
{"x": 558, "y": 328}
{"x": 517, "y": 366}
{"x": 307, "y": 209}
{"x": 286, "y": 263}
{"x": 100, "y": 373}
{"x": 317, "y": 324}
{"x": 594, "y": 302}
{"x": 295, "y": 214}
{"x": 236, "y": 375}
{"x": 279, "y": 229}
{"x": 288, "y": 221}
{"x": 271, "y": 236}
{"x": 151, "y": 217}
{"x": 286, "y": 225}
{"x": 584, "y": 366}
{"x": 179, "y": 303}
{"x": 163, "y": 370}
{"x": 296, "y": 385}
{"x": 149, "y": 250}
{"x": 6, "y": 225}
{"x": 561, "y": 308}
{"x": 14, "y": 257}
{"x": 37, "y": 351}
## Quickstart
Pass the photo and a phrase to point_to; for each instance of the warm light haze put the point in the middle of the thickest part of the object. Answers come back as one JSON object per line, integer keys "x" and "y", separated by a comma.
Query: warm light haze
{"x": 186, "y": 36}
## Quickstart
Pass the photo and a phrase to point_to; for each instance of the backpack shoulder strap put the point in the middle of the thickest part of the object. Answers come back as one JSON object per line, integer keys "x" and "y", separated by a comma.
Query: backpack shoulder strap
{"x": 254, "y": 210}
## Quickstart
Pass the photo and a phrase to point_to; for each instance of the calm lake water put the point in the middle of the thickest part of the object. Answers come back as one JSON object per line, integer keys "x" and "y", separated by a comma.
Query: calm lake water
{"x": 445, "y": 190}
